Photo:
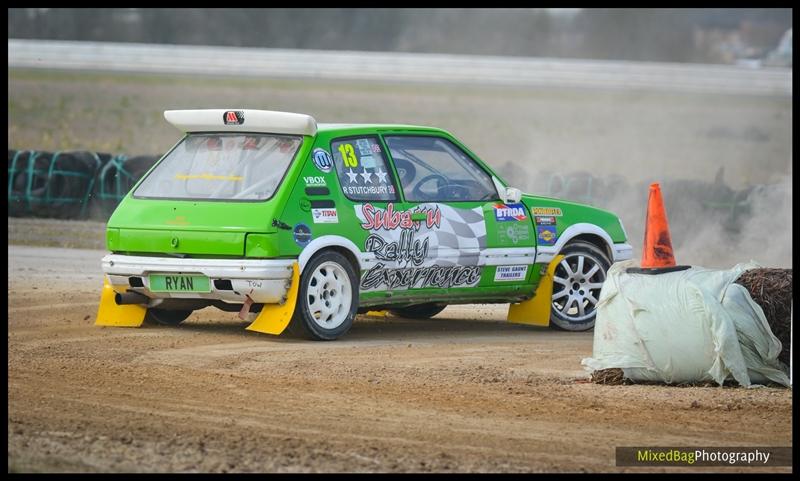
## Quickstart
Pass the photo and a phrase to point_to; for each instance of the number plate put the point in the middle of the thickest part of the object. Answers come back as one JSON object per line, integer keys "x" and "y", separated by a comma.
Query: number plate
{"x": 178, "y": 283}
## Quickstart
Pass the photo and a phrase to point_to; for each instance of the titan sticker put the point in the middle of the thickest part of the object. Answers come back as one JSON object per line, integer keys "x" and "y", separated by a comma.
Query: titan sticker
{"x": 546, "y": 220}
{"x": 325, "y": 216}
{"x": 510, "y": 273}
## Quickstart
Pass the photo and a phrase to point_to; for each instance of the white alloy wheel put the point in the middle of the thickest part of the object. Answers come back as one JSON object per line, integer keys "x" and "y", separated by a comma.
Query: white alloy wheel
{"x": 577, "y": 282}
{"x": 329, "y": 295}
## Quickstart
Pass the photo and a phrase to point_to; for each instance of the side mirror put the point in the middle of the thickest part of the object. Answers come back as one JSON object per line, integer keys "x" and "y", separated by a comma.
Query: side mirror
{"x": 513, "y": 195}
{"x": 509, "y": 195}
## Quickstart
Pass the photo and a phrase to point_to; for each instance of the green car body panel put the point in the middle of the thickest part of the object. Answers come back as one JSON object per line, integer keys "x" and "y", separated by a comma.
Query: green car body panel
{"x": 430, "y": 256}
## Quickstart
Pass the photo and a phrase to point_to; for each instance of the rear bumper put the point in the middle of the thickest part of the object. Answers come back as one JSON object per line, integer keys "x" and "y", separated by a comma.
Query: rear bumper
{"x": 264, "y": 281}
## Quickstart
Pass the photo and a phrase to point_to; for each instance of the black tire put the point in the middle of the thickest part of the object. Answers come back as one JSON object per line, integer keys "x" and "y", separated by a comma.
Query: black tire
{"x": 576, "y": 286}
{"x": 328, "y": 282}
{"x": 114, "y": 180}
{"x": 420, "y": 311}
{"x": 166, "y": 317}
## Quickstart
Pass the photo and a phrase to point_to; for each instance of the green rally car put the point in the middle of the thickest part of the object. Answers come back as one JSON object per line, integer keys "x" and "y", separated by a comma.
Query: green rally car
{"x": 302, "y": 224}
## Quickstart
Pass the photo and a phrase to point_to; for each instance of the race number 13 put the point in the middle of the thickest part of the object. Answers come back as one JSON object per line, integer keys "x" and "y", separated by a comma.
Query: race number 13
{"x": 348, "y": 155}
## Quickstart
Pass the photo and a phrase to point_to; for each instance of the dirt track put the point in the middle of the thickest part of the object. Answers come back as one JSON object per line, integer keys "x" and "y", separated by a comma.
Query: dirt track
{"x": 462, "y": 392}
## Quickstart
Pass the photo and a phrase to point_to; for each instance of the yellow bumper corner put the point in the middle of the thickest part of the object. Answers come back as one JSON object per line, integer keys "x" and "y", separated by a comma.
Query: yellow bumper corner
{"x": 111, "y": 314}
{"x": 274, "y": 318}
{"x": 536, "y": 310}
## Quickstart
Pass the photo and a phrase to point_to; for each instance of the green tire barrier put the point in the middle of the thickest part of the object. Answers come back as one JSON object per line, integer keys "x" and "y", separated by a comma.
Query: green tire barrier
{"x": 114, "y": 180}
{"x": 70, "y": 185}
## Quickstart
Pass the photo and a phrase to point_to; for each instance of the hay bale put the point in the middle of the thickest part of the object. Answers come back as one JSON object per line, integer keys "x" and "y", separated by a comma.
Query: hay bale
{"x": 772, "y": 290}
{"x": 613, "y": 376}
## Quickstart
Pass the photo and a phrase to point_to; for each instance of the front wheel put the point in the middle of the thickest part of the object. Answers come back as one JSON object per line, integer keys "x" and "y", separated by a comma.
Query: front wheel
{"x": 328, "y": 298}
{"x": 577, "y": 282}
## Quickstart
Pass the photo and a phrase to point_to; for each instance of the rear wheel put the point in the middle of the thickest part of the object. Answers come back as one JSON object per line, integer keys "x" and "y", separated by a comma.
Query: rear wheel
{"x": 166, "y": 317}
{"x": 328, "y": 298}
{"x": 576, "y": 286}
{"x": 420, "y": 311}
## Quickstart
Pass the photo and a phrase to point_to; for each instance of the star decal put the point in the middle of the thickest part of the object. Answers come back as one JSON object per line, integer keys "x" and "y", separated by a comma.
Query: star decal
{"x": 381, "y": 176}
{"x": 352, "y": 176}
{"x": 367, "y": 176}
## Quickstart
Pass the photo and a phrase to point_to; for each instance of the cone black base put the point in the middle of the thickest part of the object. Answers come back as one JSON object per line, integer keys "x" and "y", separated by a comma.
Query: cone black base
{"x": 655, "y": 270}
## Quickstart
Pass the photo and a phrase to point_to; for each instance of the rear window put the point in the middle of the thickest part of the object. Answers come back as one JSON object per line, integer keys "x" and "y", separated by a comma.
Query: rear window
{"x": 222, "y": 167}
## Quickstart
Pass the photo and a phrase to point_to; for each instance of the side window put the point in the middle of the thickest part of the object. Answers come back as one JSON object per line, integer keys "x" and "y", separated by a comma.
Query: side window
{"x": 433, "y": 169}
{"x": 362, "y": 170}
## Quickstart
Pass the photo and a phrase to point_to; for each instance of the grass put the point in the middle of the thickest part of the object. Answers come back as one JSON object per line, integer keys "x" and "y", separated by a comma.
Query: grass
{"x": 57, "y": 233}
{"x": 637, "y": 133}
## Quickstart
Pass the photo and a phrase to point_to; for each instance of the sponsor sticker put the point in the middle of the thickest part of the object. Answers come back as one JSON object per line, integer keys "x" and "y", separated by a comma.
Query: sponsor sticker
{"x": 368, "y": 190}
{"x": 368, "y": 161}
{"x": 548, "y": 211}
{"x": 546, "y": 220}
{"x": 325, "y": 216}
{"x": 391, "y": 218}
{"x": 302, "y": 234}
{"x": 405, "y": 243}
{"x": 315, "y": 180}
{"x": 363, "y": 147}
{"x": 546, "y": 234}
{"x": 513, "y": 233}
{"x": 233, "y": 117}
{"x": 510, "y": 273}
{"x": 323, "y": 160}
{"x": 509, "y": 212}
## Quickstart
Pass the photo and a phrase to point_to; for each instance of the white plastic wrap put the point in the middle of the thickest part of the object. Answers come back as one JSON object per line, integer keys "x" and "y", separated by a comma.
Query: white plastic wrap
{"x": 687, "y": 326}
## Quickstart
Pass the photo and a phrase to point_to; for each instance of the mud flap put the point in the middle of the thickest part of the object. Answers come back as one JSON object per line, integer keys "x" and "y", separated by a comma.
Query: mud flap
{"x": 274, "y": 318}
{"x": 536, "y": 311}
{"x": 111, "y": 314}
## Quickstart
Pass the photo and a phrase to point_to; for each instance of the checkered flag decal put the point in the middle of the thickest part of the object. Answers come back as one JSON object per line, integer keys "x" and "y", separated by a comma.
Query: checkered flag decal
{"x": 457, "y": 241}
{"x": 462, "y": 230}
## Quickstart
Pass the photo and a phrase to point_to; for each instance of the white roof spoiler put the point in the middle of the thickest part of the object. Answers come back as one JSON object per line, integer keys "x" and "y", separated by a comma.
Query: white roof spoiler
{"x": 241, "y": 120}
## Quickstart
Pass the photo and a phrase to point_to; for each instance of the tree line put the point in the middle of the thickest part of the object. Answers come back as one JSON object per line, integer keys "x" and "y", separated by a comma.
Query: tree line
{"x": 669, "y": 35}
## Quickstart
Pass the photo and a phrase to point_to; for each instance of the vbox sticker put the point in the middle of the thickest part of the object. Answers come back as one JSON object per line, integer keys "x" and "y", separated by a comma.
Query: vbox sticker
{"x": 314, "y": 181}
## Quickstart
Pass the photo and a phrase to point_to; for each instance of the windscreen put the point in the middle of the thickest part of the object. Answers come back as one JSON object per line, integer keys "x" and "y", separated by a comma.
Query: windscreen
{"x": 222, "y": 167}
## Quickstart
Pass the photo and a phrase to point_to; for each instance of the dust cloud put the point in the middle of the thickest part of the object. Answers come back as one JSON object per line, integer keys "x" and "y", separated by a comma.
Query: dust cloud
{"x": 711, "y": 224}
{"x": 723, "y": 164}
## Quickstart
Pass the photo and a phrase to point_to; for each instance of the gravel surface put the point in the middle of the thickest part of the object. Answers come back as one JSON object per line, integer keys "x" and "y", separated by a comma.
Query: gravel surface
{"x": 463, "y": 392}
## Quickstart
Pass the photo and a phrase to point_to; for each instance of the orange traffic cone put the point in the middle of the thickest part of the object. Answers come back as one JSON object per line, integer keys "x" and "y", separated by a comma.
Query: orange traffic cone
{"x": 657, "y": 256}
